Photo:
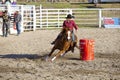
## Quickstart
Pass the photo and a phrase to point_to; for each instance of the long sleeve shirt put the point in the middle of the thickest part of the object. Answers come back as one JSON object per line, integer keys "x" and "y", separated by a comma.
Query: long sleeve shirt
{"x": 70, "y": 24}
{"x": 17, "y": 18}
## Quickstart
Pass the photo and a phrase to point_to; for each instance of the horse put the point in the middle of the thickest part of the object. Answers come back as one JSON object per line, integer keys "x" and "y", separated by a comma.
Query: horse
{"x": 64, "y": 44}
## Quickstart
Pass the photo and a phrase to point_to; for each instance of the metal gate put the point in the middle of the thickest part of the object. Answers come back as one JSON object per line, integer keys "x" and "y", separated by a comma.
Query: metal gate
{"x": 36, "y": 17}
{"x": 2, "y": 8}
{"x": 28, "y": 16}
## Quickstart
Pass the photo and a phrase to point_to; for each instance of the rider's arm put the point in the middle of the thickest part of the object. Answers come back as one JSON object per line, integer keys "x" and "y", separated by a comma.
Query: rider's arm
{"x": 75, "y": 26}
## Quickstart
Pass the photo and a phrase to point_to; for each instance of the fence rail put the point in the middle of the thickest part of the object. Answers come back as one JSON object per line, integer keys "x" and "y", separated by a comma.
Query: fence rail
{"x": 35, "y": 17}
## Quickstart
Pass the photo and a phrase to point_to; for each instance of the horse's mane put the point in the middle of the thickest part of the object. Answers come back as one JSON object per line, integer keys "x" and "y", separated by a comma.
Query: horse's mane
{"x": 64, "y": 30}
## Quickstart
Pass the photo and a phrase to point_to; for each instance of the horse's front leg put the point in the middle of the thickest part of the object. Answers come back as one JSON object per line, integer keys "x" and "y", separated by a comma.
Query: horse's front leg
{"x": 61, "y": 52}
{"x": 58, "y": 54}
{"x": 49, "y": 55}
{"x": 64, "y": 53}
{"x": 53, "y": 49}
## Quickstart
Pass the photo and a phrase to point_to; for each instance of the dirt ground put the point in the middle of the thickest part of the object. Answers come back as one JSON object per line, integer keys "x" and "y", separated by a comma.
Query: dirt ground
{"x": 22, "y": 57}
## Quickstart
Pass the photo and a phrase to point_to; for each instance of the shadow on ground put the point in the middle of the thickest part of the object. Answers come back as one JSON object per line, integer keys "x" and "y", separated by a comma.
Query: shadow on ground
{"x": 35, "y": 56}
{"x": 18, "y": 56}
{"x": 76, "y": 59}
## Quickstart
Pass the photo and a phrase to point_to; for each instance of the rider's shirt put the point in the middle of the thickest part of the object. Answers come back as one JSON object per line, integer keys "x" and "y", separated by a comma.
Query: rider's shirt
{"x": 70, "y": 24}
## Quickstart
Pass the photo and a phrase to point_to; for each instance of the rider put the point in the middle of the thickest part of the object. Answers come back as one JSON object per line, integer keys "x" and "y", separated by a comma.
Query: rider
{"x": 69, "y": 23}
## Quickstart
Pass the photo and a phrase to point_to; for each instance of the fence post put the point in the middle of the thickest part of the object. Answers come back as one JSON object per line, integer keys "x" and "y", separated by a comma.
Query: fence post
{"x": 40, "y": 16}
{"x": 34, "y": 17}
{"x": 71, "y": 11}
{"x": 100, "y": 18}
{"x": 8, "y": 9}
{"x": 47, "y": 17}
{"x": 58, "y": 18}
{"x": 22, "y": 14}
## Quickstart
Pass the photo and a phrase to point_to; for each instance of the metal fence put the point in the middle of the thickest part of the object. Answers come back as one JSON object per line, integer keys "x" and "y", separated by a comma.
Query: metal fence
{"x": 83, "y": 16}
{"x": 36, "y": 17}
{"x": 86, "y": 17}
{"x": 50, "y": 17}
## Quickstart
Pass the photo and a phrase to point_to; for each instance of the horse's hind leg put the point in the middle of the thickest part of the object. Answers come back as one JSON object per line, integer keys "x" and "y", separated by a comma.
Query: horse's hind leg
{"x": 76, "y": 40}
{"x": 77, "y": 46}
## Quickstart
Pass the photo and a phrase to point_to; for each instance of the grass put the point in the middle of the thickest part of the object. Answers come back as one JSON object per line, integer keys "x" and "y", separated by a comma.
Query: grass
{"x": 48, "y": 5}
{"x": 70, "y": 5}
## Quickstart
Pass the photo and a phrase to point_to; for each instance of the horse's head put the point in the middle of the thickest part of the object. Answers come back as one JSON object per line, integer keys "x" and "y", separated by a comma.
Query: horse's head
{"x": 66, "y": 33}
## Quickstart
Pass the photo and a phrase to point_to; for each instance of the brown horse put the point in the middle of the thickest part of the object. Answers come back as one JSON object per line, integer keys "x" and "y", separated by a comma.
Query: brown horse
{"x": 63, "y": 44}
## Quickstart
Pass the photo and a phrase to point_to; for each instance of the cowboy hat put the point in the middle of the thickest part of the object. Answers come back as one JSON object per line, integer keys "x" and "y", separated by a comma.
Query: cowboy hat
{"x": 69, "y": 16}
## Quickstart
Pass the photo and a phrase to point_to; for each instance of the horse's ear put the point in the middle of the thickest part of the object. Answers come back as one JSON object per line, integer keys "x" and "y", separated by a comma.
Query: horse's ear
{"x": 64, "y": 27}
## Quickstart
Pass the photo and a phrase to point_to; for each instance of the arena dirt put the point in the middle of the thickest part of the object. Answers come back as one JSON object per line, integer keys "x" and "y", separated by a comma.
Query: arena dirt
{"x": 22, "y": 57}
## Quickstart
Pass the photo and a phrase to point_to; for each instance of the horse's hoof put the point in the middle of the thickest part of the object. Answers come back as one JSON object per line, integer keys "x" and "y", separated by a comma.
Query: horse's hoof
{"x": 50, "y": 60}
{"x": 46, "y": 58}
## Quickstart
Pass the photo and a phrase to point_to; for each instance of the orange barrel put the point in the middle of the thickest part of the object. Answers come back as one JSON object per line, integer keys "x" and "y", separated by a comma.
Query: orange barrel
{"x": 86, "y": 49}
